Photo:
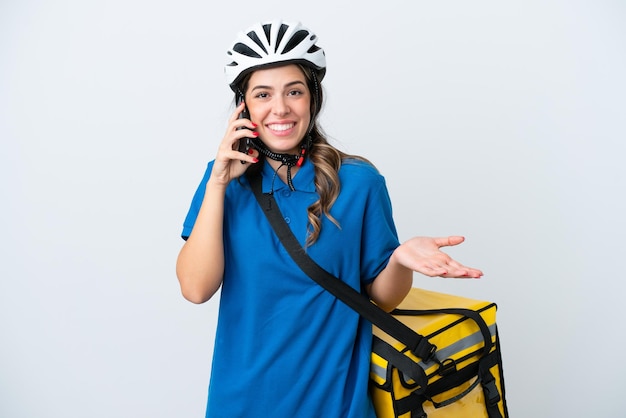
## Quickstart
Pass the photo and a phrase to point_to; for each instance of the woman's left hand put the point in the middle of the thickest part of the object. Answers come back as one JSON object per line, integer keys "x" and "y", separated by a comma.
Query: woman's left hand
{"x": 424, "y": 255}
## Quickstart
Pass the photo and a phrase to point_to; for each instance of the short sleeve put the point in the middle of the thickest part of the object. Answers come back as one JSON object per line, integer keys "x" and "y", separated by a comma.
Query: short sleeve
{"x": 196, "y": 203}
{"x": 379, "y": 236}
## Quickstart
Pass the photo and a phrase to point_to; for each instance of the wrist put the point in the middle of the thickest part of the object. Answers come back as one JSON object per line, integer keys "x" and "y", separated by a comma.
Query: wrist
{"x": 216, "y": 185}
{"x": 395, "y": 263}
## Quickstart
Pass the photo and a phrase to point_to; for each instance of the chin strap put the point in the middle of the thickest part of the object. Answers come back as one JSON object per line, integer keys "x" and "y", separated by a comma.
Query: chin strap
{"x": 288, "y": 160}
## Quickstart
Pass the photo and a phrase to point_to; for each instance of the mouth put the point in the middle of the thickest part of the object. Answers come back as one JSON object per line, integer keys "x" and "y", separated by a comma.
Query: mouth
{"x": 280, "y": 127}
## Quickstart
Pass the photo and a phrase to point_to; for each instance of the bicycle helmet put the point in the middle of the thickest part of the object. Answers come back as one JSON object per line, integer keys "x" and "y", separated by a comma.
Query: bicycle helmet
{"x": 271, "y": 43}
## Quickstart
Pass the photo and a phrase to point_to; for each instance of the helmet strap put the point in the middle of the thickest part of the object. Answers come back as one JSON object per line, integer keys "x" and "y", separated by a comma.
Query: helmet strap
{"x": 288, "y": 160}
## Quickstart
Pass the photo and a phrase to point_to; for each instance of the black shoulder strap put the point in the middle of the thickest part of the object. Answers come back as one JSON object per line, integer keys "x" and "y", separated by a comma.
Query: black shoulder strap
{"x": 418, "y": 344}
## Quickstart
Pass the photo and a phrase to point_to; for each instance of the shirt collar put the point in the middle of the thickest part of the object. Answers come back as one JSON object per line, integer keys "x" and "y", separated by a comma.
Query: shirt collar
{"x": 303, "y": 180}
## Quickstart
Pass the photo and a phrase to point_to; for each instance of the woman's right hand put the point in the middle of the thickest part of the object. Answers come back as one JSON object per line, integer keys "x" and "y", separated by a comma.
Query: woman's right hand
{"x": 200, "y": 264}
{"x": 229, "y": 162}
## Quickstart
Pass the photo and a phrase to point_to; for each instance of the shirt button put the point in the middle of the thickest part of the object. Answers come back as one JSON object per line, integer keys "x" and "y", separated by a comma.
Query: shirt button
{"x": 286, "y": 193}
{"x": 287, "y": 219}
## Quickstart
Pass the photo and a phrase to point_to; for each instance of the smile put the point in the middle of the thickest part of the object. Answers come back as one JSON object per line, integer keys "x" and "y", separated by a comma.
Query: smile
{"x": 281, "y": 126}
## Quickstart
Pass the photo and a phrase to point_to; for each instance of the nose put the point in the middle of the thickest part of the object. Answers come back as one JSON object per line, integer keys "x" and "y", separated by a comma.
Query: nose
{"x": 280, "y": 106}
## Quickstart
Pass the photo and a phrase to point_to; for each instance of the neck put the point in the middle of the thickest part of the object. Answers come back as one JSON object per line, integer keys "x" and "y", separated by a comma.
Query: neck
{"x": 281, "y": 169}
{"x": 291, "y": 162}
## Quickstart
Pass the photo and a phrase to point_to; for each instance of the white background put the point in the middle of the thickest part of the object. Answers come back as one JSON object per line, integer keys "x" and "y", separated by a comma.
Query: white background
{"x": 500, "y": 121}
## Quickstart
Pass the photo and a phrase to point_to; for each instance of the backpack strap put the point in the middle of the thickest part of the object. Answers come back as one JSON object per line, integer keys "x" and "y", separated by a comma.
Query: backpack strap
{"x": 418, "y": 344}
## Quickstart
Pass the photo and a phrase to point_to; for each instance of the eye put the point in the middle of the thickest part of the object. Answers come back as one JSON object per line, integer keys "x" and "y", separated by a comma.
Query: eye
{"x": 262, "y": 95}
{"x": 294, "y": 92}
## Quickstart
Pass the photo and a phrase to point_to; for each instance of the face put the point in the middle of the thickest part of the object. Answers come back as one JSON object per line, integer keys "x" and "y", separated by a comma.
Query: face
{"x": 279, "y": 101}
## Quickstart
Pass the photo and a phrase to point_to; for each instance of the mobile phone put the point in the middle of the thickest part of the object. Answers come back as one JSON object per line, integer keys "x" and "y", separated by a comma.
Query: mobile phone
{"x": 244, "y": 143}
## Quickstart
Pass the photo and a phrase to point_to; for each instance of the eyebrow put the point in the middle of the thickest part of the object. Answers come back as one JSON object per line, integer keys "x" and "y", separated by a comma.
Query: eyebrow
{"x": 291, "y": 84}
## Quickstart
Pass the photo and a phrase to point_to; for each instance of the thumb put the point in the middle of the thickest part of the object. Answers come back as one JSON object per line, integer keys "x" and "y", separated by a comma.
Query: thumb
{"x": 449, "y": 241}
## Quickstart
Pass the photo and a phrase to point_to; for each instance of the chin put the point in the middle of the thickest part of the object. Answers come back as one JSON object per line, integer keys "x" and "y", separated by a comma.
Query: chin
{"x": 283, "y": 148}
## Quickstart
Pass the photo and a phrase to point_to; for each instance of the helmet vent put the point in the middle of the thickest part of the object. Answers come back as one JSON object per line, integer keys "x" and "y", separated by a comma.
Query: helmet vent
{"x": 252, "y": 35}
{"x": 281, "y": 32}
{"x": 295, "y": 40}
{"x": 245, "y": 50}
{"x": 266, "y": 29}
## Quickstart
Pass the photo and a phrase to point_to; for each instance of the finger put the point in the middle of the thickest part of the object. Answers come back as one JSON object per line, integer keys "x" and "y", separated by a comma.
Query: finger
{"x": 452, "y": 269}
{"x": 247, "y": 123}
{"x": 457, "y": 269}
{"x": 239, "y": 124}
{"x": 431, "y": 270}
{"x": 247, "y": 159}
{"x": 240, "y": 135}
{"x": 237, "y": 112}
{"x": 250, "y": 157}
{"x": 253, "y": 153}
{"x": 475, "y": 273}
{"x": 449, "y": 241}
{"x": 465, "y": 273}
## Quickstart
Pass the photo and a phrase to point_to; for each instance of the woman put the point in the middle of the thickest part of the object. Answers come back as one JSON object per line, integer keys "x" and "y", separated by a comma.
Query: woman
{"x": 284, "y": 346}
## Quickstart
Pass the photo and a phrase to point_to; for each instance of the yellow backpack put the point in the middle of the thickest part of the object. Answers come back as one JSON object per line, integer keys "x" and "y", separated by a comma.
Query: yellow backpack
{"x": 463, "y": 376}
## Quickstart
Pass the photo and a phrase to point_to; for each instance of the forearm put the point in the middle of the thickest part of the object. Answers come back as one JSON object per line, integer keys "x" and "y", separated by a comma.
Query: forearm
{"x": 200, "y": 264}
{"x": 392, "y": 284}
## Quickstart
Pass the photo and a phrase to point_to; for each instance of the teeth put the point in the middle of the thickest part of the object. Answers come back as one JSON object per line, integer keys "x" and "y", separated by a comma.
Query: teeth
{"x": 280, "y": 127}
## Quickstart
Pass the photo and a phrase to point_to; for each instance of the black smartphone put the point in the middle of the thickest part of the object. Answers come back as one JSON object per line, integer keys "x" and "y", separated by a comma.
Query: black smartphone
{"x": 245, "y": 143}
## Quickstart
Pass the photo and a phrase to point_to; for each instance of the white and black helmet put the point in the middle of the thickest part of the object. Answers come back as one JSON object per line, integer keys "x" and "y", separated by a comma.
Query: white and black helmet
{"x": 271, "y": 43}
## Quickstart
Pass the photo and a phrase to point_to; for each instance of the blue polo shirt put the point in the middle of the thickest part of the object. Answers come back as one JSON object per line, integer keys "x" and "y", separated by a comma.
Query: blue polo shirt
{"x": 284, "y": 346}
